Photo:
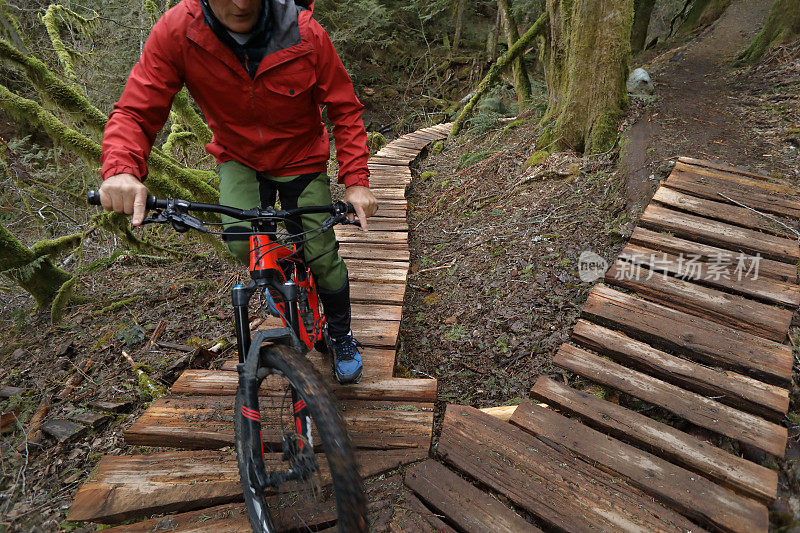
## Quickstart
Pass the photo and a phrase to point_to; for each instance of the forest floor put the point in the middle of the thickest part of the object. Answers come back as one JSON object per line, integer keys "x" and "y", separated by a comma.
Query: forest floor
{"x": 494, "y": 288}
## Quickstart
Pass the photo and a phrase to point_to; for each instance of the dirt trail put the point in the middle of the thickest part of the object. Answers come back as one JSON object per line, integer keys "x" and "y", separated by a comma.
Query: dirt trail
{"x": 695, "y": 112}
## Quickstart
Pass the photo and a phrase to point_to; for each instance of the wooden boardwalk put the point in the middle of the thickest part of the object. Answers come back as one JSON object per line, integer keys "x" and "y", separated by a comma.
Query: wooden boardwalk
{"x": 689, "y": 342}
{"x": 687, "y": 335}
{"x": 193, "y": 478}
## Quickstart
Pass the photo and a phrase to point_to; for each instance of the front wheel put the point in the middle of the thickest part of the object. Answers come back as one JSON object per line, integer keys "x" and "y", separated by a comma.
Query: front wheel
{"x": 298, "y": 471}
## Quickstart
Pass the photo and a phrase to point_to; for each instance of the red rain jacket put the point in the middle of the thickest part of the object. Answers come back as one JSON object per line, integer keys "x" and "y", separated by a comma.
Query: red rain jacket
{"x": 271, "y": 123}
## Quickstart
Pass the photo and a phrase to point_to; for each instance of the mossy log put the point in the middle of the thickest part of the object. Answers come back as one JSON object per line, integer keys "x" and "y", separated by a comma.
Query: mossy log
{"x": 190, "y": 117}
{"x": 9, "y": 26}
{"x": 783, "y": 24}
{"x": 34, "y": 273}
{"x": 586, "y": 61}
{"x": 497, "y": 69}
{"x": 522, "y": 84}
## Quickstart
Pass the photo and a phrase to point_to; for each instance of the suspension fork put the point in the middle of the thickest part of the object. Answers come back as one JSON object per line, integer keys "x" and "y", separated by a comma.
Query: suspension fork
{"x": 241, "y": 295}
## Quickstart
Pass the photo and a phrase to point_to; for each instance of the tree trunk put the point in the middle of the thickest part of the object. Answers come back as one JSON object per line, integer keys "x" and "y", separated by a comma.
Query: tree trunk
{"x": 642, "y": 10}
{"x": 782, "y": 25}
{"x": 34, "y": 273}
{"x": 491, "y": 41}
{"x": 586, "y": 62}
{"x": 462, "y": 5}
{"x": 522, "y": 83}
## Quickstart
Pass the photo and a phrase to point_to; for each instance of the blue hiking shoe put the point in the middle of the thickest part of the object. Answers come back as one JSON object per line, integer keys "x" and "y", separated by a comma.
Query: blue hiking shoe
{"x": 346, "y": 359}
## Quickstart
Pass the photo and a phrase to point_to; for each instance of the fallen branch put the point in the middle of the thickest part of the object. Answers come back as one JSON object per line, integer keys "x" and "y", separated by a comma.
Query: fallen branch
{"x": 34, "y": 436}
{"x": 149, "y": 388}
{"x": 75, "y": 380}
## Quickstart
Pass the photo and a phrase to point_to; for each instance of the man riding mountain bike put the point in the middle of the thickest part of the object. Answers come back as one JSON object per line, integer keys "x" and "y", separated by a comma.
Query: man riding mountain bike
{"x": 259, "y": 70}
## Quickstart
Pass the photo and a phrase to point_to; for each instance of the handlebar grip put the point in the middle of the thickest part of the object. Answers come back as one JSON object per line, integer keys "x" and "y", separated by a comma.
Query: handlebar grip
{"x": 93, "y": 198}
{"x": 350, "y": 208}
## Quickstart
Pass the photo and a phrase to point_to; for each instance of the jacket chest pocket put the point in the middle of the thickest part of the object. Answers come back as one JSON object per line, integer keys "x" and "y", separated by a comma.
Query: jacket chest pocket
{"x": 288, "y": 93}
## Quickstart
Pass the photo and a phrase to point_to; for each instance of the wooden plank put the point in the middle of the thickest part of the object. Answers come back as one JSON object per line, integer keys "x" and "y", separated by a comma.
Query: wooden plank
{"x": 767, "y": 268}
{"x": 754, "y": 286}
{"x": 707, "y": 168}
{"x": 221, "y": 382}
{"x": 230, "y": 518}
{"x": 761, "y": 319}
{"x": 725, "y": 212}
{"x": 378, "y": 362}
{"x": 377, "y": 271}
{"x": 206, "y": 422}
{"x": 719, "y": 234}
{"x": 697, "y": 338}
{"x": 727, "y": 387}
{"x": 381, "y": 293}
{"x": 375, "y": 252}
{"x": 385, "y": 224}
{"x": 348, "y": 234}
{"x": 697, "y": 409}
{"x": 139, "y": 485}
{"x": 391, "y": 160}
{"x": 770, "y": 202}
{"x": 734, "y": 472}
{"x": 469, "y": 508}
{"x": 691, "y": 494}
{"x": 564, "y": 491}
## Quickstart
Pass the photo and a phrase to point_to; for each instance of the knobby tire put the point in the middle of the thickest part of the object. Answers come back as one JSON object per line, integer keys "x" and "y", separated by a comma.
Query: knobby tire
{"x": 351, "y": 508}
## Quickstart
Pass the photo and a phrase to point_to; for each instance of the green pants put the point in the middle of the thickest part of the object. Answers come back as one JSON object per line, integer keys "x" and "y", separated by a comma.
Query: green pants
{"x": 242, "y": 187}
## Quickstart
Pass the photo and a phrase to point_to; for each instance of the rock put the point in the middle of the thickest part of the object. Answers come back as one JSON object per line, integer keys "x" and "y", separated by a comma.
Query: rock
{"x": 63, "y": 430}
{"x": 640, "y": 83}
{"x": 113, "y": 407}
{"x": 10, "y": 392}
{"x": 89, "y": 418}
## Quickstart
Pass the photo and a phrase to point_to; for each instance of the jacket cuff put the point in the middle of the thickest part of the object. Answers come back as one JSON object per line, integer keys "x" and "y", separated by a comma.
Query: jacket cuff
{"x": 359, "y": 178}
{"x": 121, "y": 169}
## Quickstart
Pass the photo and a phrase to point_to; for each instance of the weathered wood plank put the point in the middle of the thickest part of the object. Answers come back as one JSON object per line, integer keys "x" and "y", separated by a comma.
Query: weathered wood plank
{"x": 759, "y": 181}
{"x": 689, "y": 493}
{"x": 206, "y": 422}
{"x": 350, "y": 234}
{"x": 377, "y": 271}
{"x": 382, "y": 293}
{"x": 690, "y": 406}
{"x": 221, "y": 382}
{"x": 755, "y": 285}
{"x": 736, "y": 473}
{"x": 709, "y": 187}
{"x": 230, "y": 518}
{"x": 767, "y": 268}
{"x": 375, "y": 252}
{"x": 562, "y": 490}
{"x": 471, "y": 509}
{"x": 139, "y": 485}
{"x": 720, "y": 234}
{"x": 728, "y": 387}
{"x": 725, "y": 212}
{"x": 697, "y": 338}
{"x": 761, "y": 319}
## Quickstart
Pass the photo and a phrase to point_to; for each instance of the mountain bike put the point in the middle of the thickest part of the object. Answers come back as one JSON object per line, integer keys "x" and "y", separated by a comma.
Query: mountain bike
{"x": 287, "y": 458}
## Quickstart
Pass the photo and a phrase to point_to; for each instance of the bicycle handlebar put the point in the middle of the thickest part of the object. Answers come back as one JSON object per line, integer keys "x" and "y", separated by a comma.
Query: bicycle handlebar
{"x": 336, "y": 208}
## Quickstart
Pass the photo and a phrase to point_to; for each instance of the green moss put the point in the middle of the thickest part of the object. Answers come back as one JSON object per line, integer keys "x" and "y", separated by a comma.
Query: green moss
{"x": 603, "y": 135}
{"x": 116, "y": 305}
{"x": 783, "y": 24}
{"x": 53, "y": 247}
{"x": 438, "y": 148}
{"x": 375, "y": 141}
{"x": 428, "y": 174}
{"x": 57, "y": 13}
{"x": 190, "y": 117}
{"x": 537, "y": 158}
{"x": 61, "y": 300}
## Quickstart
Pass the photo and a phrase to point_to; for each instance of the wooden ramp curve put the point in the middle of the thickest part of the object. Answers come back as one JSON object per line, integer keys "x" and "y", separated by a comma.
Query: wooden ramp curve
{"x": 689, "y": 340}
{"x": 390, "y": 419}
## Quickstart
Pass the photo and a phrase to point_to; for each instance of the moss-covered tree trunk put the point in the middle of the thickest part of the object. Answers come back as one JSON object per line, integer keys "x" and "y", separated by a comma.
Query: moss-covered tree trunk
{"x": 642, "y": 11}
{"x": 522, "y": 84}
{"x": 33, "y": 272}
{"x": 783, "y": 24}
{"x": 586, "y": 63}
{"x": 702, "y": 13}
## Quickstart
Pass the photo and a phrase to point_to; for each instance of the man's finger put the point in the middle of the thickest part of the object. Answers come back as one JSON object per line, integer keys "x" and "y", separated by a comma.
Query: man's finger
{"x": 139, "y": 206}
{"x": 362, "y": 217}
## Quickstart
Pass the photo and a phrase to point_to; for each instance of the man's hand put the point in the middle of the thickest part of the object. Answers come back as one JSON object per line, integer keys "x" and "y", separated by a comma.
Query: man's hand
{"x": 363, "y": 201}
{"x": 124, "y": 193}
